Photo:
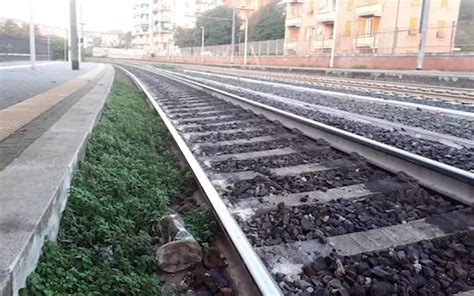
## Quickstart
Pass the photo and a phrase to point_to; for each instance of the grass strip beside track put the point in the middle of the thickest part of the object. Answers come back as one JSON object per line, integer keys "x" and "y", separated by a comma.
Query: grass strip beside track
{"x": 125, "y": 184}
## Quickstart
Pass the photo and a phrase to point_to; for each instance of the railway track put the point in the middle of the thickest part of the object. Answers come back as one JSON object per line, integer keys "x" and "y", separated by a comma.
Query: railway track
{"x": 462, "y": 95}
{"x": 314, "y": 210}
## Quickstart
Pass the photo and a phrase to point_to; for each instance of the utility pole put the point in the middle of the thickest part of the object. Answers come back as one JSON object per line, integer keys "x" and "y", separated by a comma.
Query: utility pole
{"x": 32, "y": 38}
{"x": 246, "y": 39}
{"x": 74, "y": 44}
{"x": 233, "y": 37}
{"x": 202, "y": 45}
{"x": 334, "y": 33}
{"x": 423, "y": 26}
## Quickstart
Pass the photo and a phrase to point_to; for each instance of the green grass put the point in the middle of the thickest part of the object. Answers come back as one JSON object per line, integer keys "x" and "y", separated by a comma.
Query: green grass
{"x": 359, "y": 66}
{"x": 123, "y": 187}
{"x": 201, "y": 224}
{"x": 167, "y": 67}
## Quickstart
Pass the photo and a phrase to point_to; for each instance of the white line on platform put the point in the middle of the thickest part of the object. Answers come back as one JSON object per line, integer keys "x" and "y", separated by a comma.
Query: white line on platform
{"x": 26, "y": 65}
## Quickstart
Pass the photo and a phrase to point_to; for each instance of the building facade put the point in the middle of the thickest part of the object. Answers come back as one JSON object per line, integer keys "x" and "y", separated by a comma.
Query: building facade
{"x": 156, "y": 20}
{"x": 368, "y": 26}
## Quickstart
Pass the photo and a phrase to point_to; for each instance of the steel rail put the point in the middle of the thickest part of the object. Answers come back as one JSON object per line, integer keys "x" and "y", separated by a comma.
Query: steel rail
{"x": 262, "y": 277}
{"x": 438, "y": 92}
{"x": 445, "y": 179}
{"x": 410, "y": 105}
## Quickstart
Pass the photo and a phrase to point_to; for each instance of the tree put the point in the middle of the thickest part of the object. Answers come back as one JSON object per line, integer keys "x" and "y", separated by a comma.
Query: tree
{"x": 464, "y": 30}
{"x": 57, "y": 47}
{"x": 268, "y": 22}
{"x": 12, "y": 28}
{"x": 217, "y": 25}
{"x": 186, "y": 37}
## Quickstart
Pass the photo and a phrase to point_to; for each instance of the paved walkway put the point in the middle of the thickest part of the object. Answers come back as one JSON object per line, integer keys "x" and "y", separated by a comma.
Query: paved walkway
{"x": 35, "y": 181}
{"x": 18, "y": 82}
{"x": 24, "y": 122}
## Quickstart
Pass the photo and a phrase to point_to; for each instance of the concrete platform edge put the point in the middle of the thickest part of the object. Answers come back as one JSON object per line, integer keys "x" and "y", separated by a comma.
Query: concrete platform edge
{"x": 87, "y": 111}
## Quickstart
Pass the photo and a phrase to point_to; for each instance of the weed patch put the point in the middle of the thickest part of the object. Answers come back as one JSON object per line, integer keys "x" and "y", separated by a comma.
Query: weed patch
{"x": 123, "y": 187}
{"x": 167, "y": 67}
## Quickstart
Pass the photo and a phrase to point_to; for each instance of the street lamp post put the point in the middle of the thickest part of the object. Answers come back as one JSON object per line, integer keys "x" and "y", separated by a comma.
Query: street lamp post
{"x": 334, "y": 34}
{"x": 246, "y": 39}
{"x": 32, "y": 38}
{"x": 202, "y": 45}
{"x": 232, "y": 37}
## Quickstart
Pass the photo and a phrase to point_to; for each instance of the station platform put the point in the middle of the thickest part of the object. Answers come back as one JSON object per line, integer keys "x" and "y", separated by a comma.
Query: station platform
{"x": 46, "y": 118}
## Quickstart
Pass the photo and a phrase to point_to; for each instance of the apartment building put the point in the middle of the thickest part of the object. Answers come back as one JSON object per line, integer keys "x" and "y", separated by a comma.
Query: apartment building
{"x": 245, "y": 8}
{"x": 368, "y": 26}
{"x": 141, "y": 36}
{"x": 156, "y": 20}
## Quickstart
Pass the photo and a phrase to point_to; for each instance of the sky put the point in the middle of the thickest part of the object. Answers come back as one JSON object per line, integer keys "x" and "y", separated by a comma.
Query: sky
{"x": 98, "y": 15}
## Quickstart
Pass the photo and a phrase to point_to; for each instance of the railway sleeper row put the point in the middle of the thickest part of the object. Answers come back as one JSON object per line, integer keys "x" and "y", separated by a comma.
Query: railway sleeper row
{"x": 323, "y": 221}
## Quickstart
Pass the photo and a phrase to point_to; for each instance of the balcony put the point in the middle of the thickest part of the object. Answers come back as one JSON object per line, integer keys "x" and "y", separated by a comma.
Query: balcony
{"x": 165, "y": 19}
{"x": 322, "y": 43}
{"x": 326, "y": 16}
{"x": 366, "y": 41}
{"x": 370, "y": 10}
{"x": 292, "y": 45}
{"x": 293, "y": 22}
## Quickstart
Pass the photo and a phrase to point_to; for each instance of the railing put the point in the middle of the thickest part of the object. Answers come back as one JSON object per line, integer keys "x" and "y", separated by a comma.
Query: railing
{"x": 326, "y": 16}
{"x": 293, "y": 22}
{"x": 370, "y": 9}
{"x": 454, "y": 38}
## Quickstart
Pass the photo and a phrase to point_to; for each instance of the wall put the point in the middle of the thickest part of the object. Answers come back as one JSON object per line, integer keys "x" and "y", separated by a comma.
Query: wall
{"x": 448, "y": 62}
{"x": 400, "y": 62}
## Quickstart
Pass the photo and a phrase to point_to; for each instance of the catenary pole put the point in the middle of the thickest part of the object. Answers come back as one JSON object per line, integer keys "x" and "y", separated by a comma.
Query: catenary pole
{"x": 73, "y": 31}
{"x": 423, "y": 26}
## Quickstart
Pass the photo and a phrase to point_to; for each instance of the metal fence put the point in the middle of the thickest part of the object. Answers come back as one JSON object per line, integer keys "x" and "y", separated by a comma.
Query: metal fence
{"x": 17, "y": 48}
{"x": 267, "y": 47}
{"x": 441, "y": 38}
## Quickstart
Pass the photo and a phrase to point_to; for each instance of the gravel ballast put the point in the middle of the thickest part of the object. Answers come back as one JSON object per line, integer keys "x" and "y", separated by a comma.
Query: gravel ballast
{"x": 443, "y": 266}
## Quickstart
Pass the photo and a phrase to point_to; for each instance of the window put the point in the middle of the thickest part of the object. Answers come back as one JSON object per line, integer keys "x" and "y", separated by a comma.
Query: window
{"x": 347, "y": 28}
{"x": 413, "y": 27}
{"x": 363, "y": 26}
{"x": 369, "y": 26}
{"x": 311, "y": 7}
{"x": 319, "y": 31}
{"x": 444, "y": 3}
{"x": 441, "y": 29}
{"x": 349, "y": 4}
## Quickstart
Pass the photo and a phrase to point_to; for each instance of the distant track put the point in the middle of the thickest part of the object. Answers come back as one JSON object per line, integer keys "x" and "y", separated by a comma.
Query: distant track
{"x": 431, "y": 92}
